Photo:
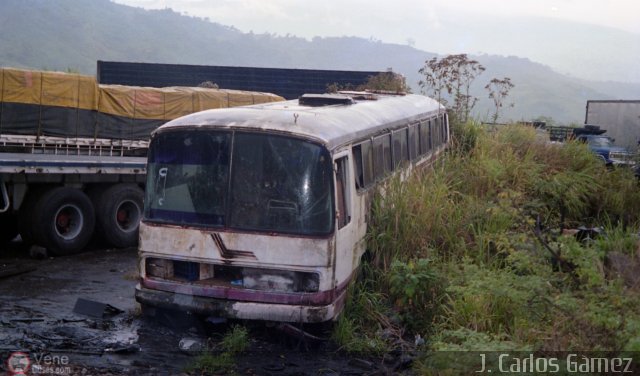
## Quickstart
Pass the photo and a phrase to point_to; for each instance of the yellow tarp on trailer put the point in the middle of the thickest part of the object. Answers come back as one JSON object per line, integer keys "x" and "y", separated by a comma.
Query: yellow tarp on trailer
{"x": 69, "y": 90}
{"x": 172, "y": 102}
{"x": 176, "y": 105}
{"x": 74, "y": 105}
{"x": 20, "y": 86}
{"x": 48, "y": 88}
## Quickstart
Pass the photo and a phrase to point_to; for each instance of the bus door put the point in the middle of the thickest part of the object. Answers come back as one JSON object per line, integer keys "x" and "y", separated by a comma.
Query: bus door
{"x": 345, "y": 240}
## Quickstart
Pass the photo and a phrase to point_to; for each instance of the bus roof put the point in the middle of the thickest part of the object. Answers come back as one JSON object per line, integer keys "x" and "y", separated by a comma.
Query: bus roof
{"x": 330, "y": 124}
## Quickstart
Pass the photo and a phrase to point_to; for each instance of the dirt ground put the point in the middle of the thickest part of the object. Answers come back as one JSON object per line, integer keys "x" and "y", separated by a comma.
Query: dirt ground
{"x": 37, "y": 318}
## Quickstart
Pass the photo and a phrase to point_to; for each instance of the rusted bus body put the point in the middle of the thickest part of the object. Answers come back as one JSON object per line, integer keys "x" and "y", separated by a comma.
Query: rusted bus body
{"x": 261, "y": 212}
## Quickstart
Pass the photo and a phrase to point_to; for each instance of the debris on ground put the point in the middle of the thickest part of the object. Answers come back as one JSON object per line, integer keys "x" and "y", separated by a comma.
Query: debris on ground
{"x": 95, "y": 309}
{"x": 190, "y": 345}
{"x": 48, "y": 313}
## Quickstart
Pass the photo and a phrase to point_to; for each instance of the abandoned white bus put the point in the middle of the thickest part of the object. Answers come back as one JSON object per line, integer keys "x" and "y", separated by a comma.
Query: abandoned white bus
{"x": 260, "y": 212}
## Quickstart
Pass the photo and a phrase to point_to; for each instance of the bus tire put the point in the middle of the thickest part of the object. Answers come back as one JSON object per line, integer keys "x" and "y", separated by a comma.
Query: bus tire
{"x": 118, "y": 214}
{"x": 64, "y": 220}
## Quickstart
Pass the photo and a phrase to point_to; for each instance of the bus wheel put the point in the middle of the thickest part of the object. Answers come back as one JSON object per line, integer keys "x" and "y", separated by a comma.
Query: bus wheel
{"x": 64, "y": 220}
{"x": 118, "y": 214}
{"x": 8, "y": 227}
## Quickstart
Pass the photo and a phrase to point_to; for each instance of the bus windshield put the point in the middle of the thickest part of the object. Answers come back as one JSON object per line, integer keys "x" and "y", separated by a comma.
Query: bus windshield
{"x": 246, "y": 181}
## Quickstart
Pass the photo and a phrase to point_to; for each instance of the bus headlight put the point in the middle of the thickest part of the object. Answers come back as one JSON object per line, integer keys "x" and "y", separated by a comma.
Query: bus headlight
{"x": 310, "y": 282}
{"x": 279, "y": 280}
{"x": 159, "y": 268}
{"x": 234, "y": 276}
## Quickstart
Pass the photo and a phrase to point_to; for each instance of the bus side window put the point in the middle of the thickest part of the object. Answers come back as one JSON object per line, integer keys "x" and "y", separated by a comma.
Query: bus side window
{"x": 445, "y": 128}
{"x": 399, "y": 146}
{"x": 382, "y": 156}
{"x": 438, "y": 131}
{"x": 357, "y": 166}
{"x": 342, "y": 192}
{"x": 414, "y": 142}
{"x": 363, "y": 164}
{"x": 386, "y": 146}
{"x": 367, "y": 161}
{"x": 433, "y": 127}
{"x": 424, "y": 137}
{"x": 378, "y": 157}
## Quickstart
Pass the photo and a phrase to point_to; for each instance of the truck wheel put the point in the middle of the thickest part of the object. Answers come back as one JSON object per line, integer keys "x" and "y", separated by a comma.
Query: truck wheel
{"x": 26, "y": 215}
{"x": 8, "y": 227}
{"x": 118, "y": 214}
{"x": 64, "y": 220}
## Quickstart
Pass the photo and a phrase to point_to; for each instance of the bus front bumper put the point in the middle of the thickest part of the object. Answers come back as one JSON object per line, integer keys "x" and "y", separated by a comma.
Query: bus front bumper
{"x": 239, "y": 309}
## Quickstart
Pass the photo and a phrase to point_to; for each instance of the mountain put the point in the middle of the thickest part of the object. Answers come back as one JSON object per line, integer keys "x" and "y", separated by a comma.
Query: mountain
{"x": 74, "y": 34}
{"x": 572, "y": 48}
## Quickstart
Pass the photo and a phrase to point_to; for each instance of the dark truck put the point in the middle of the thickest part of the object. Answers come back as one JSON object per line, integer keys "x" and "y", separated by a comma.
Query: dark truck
{"x": 603, "y": 146}
{"x": 592, "y": 135}
{"x": 611, "y": 155}
{"x": 621, "y": 119}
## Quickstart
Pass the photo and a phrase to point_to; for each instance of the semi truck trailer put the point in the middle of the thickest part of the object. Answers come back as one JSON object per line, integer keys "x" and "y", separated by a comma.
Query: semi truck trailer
{"x": 621, "y": 119}
{"x": 73, "y": 154}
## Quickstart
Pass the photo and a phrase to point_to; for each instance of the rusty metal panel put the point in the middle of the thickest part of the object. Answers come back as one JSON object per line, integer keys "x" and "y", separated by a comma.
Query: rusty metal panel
{"x": 247, "y": 249}
{"x": 333, "y": 126}
{"x": 240, "y": 310}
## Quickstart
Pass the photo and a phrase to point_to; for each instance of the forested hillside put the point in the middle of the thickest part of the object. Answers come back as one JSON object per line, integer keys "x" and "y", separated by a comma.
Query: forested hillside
{"x": 74, "y": 34}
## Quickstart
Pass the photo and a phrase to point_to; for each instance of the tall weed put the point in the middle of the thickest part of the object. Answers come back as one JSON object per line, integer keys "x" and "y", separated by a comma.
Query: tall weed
{"x": 499, "y": 273}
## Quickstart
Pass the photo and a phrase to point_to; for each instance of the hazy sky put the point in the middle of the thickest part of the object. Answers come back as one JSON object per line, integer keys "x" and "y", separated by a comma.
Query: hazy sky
{"x": 394, "y": 21}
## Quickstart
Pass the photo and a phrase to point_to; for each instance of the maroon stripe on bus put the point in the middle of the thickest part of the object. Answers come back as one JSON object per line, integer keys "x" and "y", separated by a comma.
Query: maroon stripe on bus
{"x": 248, "y": 295}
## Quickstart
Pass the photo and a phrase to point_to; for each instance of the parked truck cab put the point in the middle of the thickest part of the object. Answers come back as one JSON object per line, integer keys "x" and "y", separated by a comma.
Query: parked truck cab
{"x": 604, "y": 148}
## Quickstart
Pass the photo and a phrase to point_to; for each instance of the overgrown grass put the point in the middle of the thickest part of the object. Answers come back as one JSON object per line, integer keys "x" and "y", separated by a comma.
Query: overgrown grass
{"x": 221, "y": 360}
{"x": 471, "y": 253}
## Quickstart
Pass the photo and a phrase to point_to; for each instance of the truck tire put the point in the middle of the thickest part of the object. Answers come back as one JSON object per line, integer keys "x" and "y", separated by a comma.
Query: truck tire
{"x": 118, "y": 213}
{"x": 63, "y": 220}
{"x": 26, "y": 215}
{"x": 8, "y": 227}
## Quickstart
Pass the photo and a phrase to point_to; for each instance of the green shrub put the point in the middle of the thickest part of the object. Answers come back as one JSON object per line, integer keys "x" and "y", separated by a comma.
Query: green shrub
{"x": 234, "y": 342}
{"x": 495, "y": 301}
{"x": 408, "y": 281}
{"x": 417, "y": 290}
{"x": 470, "y": 252}
{"x": 208, "y": 364}
{"x": 364, "y": 320}
{"x": 617, "y": 239}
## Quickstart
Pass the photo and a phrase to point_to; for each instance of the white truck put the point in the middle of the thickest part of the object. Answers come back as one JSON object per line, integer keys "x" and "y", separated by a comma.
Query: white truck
{"x": 55, "y": 194}
{"x": 73, "y": 154}
{"x": 620, "y": 118}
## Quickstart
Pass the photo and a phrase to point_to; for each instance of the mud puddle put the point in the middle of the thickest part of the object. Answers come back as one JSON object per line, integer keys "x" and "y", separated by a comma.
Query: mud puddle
{"x": 37, "y": 318}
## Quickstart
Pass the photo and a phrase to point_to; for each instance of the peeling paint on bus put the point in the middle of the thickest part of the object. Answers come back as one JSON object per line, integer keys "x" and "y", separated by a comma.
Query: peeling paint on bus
{"x": 282, "y": 274}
